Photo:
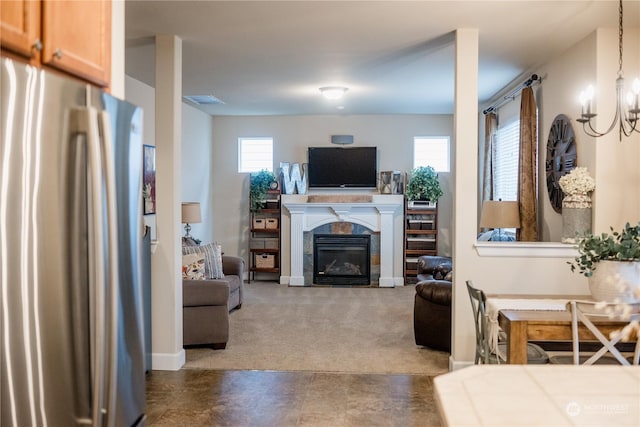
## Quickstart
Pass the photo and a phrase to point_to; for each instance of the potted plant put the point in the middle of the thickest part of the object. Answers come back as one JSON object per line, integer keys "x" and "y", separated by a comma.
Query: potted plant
{"x": 260, "y": 183}
{"x": 423, "y": 184}
{"x": 612, "y": 264}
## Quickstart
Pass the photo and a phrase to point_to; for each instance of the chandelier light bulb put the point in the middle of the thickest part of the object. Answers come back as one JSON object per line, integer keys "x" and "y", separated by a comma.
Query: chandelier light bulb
{"x": 582, "y": 98}
{"x": 589, "y": 93}
{"x": 635, "y": 87}
{"x": 586, "y": 96}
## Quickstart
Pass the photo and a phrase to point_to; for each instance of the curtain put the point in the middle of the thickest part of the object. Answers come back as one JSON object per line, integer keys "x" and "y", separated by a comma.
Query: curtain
{"x": 527, "y": 169}
{"x": 490, "y": 126}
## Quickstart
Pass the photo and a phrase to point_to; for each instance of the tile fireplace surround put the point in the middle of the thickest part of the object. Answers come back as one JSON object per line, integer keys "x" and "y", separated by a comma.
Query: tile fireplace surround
{"x": 380, "y": 213}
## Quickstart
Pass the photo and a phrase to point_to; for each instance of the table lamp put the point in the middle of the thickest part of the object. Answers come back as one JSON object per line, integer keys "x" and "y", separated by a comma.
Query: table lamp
{"x": 190, "y": 215}
{"x": 500, "y": 214}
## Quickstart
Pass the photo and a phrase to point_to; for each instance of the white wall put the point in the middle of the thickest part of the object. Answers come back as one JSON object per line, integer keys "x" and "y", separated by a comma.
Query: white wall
{"x": 117, "y": 86}
{"x": 196, "y": 168}
{"x": 392, "y": 134}
{"x": 616, "y": 197}
{"x": 562, "y": 80}
{"x": 197, "y": 147}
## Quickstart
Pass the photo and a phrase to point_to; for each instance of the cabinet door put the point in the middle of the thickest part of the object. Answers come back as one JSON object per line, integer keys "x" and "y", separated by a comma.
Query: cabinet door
{"x": 20, "y": 26}
{"x": 77, "y": 38}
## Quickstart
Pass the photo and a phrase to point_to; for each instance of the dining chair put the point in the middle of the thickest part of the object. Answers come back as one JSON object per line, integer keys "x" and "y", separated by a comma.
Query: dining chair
{"x": 585, "y": 313}
{"x": 535, "y": 353}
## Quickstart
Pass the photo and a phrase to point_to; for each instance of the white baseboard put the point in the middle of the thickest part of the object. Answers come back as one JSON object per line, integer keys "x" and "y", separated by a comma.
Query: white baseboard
{"x": 296, "y": 280}
{"x": 167, "y": 361}
{"x": 455, "y": 365}
{"x": 386, "y": 282}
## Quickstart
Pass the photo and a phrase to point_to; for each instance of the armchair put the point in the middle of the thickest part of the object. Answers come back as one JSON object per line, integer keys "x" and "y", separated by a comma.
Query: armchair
{"x": 207, "y": 303}
{"x": 432, "y": 303}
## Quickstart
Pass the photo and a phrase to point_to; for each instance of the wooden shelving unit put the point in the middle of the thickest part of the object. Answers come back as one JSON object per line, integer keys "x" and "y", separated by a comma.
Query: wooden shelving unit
{"x": 420, "y": 238}
{"x": 264, "y": 238}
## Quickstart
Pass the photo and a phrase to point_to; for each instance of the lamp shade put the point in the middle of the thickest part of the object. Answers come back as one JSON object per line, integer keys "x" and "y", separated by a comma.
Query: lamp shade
{"x": 191, "y": 213}
{"x": 500, "y": 214}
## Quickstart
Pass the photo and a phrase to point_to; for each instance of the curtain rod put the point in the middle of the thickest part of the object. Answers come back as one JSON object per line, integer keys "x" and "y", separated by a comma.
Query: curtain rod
{"x": 512, "y": 95}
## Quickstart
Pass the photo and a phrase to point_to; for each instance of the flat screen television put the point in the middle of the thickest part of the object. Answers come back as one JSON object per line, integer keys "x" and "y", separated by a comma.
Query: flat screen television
{"x": 342, "y": 167}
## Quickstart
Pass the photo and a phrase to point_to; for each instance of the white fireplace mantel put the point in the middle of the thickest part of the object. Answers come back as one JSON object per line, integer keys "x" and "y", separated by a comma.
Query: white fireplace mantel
{"x": 383, "y": 214}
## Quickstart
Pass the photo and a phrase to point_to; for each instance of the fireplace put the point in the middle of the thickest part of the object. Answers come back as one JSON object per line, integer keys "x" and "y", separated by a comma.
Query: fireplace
{"x": 380, "y": 214}
{"x": 340, "y": 259}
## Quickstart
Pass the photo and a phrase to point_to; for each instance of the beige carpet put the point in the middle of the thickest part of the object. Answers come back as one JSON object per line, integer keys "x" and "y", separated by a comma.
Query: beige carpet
{"x": 354, "y": 330}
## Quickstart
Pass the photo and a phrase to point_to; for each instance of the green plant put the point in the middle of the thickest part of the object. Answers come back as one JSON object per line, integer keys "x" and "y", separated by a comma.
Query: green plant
{"x": 423, "y": 184}
{"x": 617, "y": 246}
{"x": 260, "y": 182}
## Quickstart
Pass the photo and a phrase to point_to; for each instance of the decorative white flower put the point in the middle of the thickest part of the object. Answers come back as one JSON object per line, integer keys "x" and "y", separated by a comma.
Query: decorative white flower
{"x": 577, "y": 181}
{"x": 146, "y": 192}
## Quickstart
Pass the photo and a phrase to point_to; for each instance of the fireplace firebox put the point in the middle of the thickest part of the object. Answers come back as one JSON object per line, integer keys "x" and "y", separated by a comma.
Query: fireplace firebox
{"x": 341, "y": 259}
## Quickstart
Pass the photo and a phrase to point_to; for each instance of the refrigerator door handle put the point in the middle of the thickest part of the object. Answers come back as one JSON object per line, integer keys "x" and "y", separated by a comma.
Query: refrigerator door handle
{"x": 113, "y": 273}
{"x": 86, "y": 121}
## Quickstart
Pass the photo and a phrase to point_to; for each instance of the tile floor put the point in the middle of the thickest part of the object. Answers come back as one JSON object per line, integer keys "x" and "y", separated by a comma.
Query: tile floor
{"x": 267, "y": 398}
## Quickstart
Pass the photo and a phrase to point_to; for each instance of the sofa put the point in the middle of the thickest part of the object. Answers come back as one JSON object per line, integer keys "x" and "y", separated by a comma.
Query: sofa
{"x": 206, "y": 305}
{"x": 432, "y": 303}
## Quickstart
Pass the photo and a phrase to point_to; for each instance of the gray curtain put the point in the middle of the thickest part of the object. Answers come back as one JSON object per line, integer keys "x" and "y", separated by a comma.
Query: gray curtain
{"x": 527, "y": 169}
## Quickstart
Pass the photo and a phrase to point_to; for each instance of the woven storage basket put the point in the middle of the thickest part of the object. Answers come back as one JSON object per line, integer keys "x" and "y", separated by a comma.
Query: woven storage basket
{"x": 265, "y": 261}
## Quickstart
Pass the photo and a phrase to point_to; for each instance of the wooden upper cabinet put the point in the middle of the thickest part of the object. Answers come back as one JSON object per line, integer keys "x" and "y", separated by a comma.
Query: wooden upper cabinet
{"x": 76, "y": 38}
{"x": 74, "y": 35}
{"x": 20, "y": 26}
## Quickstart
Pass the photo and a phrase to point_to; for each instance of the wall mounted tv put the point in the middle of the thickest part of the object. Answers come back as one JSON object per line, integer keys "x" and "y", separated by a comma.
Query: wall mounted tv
{"x": 342, "y": 167}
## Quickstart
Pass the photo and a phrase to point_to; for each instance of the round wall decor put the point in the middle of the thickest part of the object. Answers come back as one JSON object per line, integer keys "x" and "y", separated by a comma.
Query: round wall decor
{"x": 561, "y": 157}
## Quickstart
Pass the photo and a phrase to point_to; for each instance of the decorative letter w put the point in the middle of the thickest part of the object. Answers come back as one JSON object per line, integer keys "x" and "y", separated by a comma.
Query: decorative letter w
{"x": 292, "y": 179}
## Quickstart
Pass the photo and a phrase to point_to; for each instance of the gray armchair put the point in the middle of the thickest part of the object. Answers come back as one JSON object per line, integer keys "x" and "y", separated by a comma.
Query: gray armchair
{"x": 206, "y": 305}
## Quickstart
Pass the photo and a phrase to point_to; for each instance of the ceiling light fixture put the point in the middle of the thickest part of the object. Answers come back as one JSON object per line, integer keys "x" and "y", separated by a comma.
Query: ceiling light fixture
{"x": 333, "y": 92}
{"x": 628, "y": 119}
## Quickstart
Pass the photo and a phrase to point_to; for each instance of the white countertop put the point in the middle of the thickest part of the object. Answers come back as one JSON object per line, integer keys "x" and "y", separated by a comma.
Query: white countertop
{"x": 540, "y": 395}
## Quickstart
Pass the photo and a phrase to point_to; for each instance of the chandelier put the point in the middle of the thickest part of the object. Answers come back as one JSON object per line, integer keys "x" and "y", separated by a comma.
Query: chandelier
{"x": 627, "y": 120}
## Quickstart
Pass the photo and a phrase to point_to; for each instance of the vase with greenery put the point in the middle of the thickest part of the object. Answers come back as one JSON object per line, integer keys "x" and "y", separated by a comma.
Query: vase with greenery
{"x": 611, "y": 260}
{"x": 423, "y": 184}
{"x": 260, "y": 184}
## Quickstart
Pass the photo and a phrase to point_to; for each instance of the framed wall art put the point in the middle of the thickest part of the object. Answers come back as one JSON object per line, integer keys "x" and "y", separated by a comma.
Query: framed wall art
{"x": 149, "y": 179}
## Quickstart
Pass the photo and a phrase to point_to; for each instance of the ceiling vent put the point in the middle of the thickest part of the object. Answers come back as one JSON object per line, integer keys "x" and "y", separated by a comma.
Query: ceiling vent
{"x": 203, "y": 99}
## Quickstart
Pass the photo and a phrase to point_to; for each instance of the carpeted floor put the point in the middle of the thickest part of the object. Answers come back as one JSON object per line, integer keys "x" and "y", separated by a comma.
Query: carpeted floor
{"x": 321, "y": 329}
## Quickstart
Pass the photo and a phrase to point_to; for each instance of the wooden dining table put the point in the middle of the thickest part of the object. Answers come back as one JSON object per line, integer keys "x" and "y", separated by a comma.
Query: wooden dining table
{"x": 522, "y": 326}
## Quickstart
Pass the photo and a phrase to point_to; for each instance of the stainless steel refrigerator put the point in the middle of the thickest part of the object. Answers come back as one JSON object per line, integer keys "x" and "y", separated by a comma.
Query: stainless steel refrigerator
{"x": 71, "y": 328}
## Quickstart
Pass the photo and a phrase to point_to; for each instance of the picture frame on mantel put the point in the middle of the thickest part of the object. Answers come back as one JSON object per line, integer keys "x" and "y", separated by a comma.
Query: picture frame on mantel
{"x": 149, "y": 179}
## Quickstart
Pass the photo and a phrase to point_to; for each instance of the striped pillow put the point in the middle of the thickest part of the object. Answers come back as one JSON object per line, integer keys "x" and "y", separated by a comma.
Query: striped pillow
{"x": 212, "y": 258}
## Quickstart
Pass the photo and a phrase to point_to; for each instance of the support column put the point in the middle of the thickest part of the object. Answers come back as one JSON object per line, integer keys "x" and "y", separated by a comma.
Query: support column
{"x": 465, "y": 193}
{"x": 167, "y": 350}
{"x": 387, "y": 237}
{"x": 297, "y": 247}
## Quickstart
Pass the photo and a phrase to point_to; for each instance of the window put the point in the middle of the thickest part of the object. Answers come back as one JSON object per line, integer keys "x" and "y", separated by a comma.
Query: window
{"x": 255, "y": 154}
{"x": 505, "y": 161}
{"x": 431, "y": 151}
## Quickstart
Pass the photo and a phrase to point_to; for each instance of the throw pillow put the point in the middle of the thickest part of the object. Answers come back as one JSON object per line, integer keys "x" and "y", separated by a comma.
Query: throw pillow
{"x": 193, "y": 267}
{"x": 212, "y": 258}
{"x": 449, "y": 276}
{"x": 189, "y": 241}
{"x": 441, "y": 271}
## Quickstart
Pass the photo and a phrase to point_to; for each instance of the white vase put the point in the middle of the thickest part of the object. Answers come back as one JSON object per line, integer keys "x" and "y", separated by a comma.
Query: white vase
{"x": 616, "y": 281}
{"x": 576, "y": 216}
